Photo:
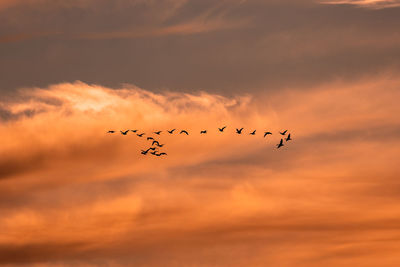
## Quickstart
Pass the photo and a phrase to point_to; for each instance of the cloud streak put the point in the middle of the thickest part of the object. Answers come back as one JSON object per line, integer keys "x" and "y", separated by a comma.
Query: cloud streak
{"x": 372, "y": 4}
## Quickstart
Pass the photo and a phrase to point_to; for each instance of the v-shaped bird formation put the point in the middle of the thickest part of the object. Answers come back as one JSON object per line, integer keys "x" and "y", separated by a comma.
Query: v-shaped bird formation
{"x": 155, "y": 144}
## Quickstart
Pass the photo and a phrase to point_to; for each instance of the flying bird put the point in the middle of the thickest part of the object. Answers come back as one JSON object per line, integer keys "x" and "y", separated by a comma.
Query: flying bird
{"x": 172, "y": 131}
{"x": 144, "y": 152}
{"x": 150, "y": 138}
{"x": 140, "y": 135}
{"x": 280, "y": 144}
{"x": 288, "y": 138}
{"x": 158, "y": 132}
{"x": 157, "y": 144}
{"x": 222, "y": 129}
{"x": 133, "y": 131}
{"x": 111, "y": 131}
{"x": 283, "y": 133}
{"x": 253, "y": 132}
{"x": 185, "y": 132}
{"x": 267, "y": 133}
{"x": 124, "y": 132}
{"x": 203, "y": 132}
{"x": 160, "y": 154}
{"x": 239, "y": 131}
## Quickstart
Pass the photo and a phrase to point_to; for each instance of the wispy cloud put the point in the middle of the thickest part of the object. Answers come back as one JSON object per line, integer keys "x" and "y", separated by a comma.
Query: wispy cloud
{"x": 372, "y": 4}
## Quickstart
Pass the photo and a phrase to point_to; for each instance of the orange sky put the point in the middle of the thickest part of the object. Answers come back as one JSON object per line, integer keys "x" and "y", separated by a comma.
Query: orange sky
{"x": 73, "y": 195}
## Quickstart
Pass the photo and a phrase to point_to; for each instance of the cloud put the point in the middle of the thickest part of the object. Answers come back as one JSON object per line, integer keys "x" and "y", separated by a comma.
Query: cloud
{"x": 71, "y": 194}
{"x": 372, "y": 4}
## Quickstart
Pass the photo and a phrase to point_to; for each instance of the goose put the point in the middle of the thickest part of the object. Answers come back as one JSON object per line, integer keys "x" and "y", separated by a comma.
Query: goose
{"x": 267, "y": 133}
{"x": 280, "y": 144}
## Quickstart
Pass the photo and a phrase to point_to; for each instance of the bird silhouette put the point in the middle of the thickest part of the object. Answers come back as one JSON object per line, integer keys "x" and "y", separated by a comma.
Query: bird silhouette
{"x": 280, "y": 144}
{"x": 172, "y": 131}
{"x": 253, "y": 132}
{"x": 157, "y": 144}
{"x": 283, "y": 133}
{"x": 144, "y": 152}
{"x": 185, "y": 132}
{"x": 160, "y": 154}
{"x": 158, "y": 132}
{"x": 203, "y": 132}
{"x": 239, "y": 131}
{"x": 222, "y": 129}
{"x": 111, "y": 131}
{"x": 124, "y": 132}
{"x": 267, "y": 133}
{"x": 150, "y": 138}
{"x": 288, "y": 138}
{"x": 140, "y": 135}
{"x": 133, "y": 131}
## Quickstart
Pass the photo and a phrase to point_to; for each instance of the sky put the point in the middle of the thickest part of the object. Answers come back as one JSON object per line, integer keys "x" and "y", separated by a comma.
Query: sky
{"x": 73, "y": 195}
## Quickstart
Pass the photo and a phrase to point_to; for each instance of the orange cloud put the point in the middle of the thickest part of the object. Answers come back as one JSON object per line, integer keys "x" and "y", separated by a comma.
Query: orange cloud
{"x": 71, "y": 194}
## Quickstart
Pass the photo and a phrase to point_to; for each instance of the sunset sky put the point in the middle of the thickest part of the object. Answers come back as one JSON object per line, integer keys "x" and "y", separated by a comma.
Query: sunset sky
{"x": 73, "y": 195}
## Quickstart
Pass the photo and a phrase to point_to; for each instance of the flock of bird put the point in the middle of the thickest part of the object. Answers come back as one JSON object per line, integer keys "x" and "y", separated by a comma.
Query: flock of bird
{"x": 155, "y": 145}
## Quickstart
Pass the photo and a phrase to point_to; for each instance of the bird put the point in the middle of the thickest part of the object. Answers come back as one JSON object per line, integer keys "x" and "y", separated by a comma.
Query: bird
{"x": 267, "y": 133}
{"x": 253, "y": 132}
{"x": 157, "y": 144}
{"x": 111, "y": 131}
{"x": 288, "y": 138}
{"x": 144, "y": 152}
{"x": 140, "y": 135}
{"x": 171, "y": 131}
{"x": 222, "y": 129}
{"x": 124, "y": 132}
{"x": 152, "y": 148}
{"x": 203, "y": 132}
{"x": 185, "y": 132}
{"x": 158, "y": 132}
{"x": 133, "y": 131}
{"x": 283, "y": 133}
{"x": 150, "y": 138}
{"x": 239, "y": 131}
{"x": 280, "y": 144}
{"x": 160, "y": 154}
